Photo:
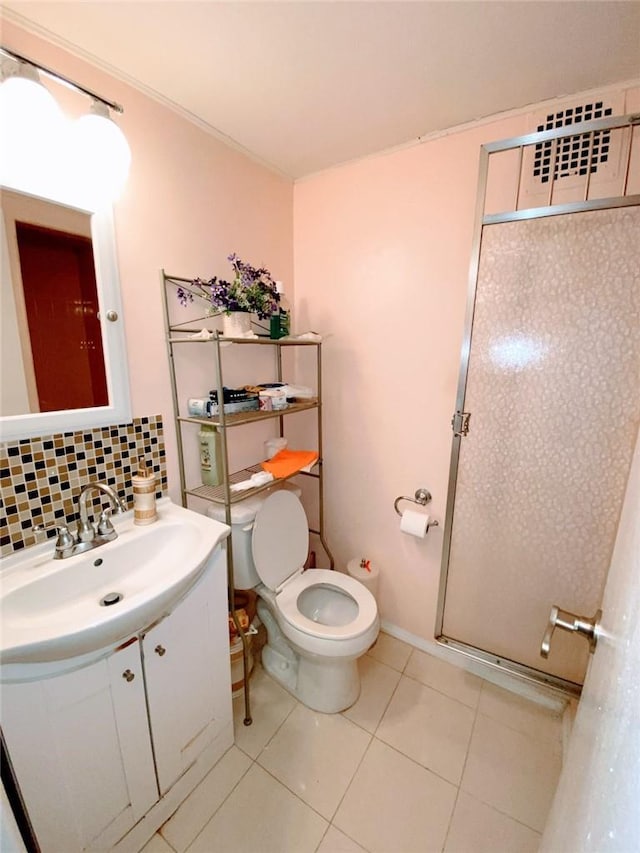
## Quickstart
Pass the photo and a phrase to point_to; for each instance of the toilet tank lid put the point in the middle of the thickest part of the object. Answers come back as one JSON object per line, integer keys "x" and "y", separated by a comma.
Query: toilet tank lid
{"x": 241, "y": 513}
{"x": 246, "y": 510}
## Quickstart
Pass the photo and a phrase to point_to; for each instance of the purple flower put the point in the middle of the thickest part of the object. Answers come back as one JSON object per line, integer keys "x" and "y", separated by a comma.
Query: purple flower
{"x": 184, "y": 296}
{"x": 252, "y": 290}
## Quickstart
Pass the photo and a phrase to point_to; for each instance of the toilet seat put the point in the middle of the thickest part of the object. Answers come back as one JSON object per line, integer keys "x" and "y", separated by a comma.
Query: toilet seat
{"x": 279, "y": 546}
{"x": 287, "y": 602}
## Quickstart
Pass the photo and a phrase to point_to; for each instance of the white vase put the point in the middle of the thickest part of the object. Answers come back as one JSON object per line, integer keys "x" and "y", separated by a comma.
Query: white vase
{"x": 236, "y": 325}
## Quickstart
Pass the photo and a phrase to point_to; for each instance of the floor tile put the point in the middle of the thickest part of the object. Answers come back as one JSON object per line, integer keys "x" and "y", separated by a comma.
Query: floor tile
{"x": 394, "y": 805}
{"x": 261, "y": 816}
{"x": 511, "y": 771}
{"x": 156, "y": 844}
{"x": 445, "y": 677}
{"x": 520, "y": 713}
{"x": 377, "y": 683}
{"x": 392, "y": 652}
{"x": 478, "y": 828}
{"x": 315, "y": 755}
{"x": 200, "y": 805}
{"x": 270, "y": 706}
{"x": 428, "y": 727}
{"x": 337, "y": 842}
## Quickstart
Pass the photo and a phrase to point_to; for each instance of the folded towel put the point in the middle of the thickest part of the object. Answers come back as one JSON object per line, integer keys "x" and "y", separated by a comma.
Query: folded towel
{"x": 253, "y": 482}
{"x": 288, "y": 462}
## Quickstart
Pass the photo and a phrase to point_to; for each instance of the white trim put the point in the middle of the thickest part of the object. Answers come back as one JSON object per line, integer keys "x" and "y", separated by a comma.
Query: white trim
{"x": 552, "y": 699}
{"x": 15, "y": 427}
{"x": 481, "y": 121}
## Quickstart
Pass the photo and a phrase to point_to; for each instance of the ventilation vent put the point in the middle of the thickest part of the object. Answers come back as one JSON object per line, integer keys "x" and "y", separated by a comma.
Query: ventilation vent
{"x": 559, "y": 169}
{"x": 575, "y": 155}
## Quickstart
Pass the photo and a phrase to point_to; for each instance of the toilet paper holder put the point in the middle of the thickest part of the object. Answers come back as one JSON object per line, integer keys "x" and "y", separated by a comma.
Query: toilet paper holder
{"x": 421, "y": 497}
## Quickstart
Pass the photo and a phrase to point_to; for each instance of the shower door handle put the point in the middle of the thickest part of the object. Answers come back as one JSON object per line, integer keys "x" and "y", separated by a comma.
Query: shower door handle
{"x": 584, "y": 625}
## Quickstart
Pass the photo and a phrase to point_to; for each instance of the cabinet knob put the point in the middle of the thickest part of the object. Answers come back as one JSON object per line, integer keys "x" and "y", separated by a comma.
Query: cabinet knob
{"x": 128, "y": 675}
{"x": 160, "y": 650}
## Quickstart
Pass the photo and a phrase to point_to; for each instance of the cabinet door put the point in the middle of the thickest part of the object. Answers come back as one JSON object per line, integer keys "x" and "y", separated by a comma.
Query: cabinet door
{"x": 186, "y": 660}
{"x": 80, "y": 747}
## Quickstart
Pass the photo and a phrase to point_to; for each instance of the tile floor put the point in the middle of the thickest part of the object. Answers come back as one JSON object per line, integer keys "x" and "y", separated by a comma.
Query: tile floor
{"x": 430, "y": 758}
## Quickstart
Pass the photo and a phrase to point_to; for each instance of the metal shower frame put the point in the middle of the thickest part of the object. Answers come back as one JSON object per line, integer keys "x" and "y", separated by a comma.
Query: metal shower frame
{"x": 461, "y": 418}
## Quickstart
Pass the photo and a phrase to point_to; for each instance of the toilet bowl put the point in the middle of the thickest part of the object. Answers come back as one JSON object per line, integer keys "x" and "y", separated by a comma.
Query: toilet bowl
{"x": 318, "y": 622}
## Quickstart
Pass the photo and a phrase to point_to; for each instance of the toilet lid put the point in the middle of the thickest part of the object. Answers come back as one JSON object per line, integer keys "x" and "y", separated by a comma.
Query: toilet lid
{"x": 280, "y": 541}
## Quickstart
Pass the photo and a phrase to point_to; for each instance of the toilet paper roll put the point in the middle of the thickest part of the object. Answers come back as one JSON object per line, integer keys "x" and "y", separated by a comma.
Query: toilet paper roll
{"x": 414, "y": 523}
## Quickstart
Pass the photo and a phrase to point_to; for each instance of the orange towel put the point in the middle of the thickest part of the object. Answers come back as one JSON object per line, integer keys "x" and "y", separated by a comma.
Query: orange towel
{"x": 288, "y": 462}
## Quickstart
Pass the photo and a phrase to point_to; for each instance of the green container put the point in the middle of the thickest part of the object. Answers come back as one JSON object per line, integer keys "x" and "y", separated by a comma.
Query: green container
{"x": 279, "y": 325}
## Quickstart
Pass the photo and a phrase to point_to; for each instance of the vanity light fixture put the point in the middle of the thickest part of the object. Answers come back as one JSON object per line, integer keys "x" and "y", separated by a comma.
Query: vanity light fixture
{"x": 92, "y": 151}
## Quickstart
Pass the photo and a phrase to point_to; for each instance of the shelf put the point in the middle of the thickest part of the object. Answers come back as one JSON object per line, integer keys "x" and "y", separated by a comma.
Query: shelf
{"x": 183, "y": 333}
{"x": 216, "y": 494}
{"x": 176, "y": 338}
{"x": 238, "y": 418}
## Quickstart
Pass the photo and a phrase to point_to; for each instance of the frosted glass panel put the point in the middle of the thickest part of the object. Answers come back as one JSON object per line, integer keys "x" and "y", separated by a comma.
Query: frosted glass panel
{"x": 553, "y": 391}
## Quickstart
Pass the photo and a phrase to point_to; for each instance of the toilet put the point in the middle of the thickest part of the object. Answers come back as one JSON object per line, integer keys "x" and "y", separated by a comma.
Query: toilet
{"x": 318, "y": 622}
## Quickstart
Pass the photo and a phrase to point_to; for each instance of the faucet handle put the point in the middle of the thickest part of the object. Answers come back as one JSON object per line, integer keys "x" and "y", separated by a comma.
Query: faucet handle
{"x": 42, "y": 528}
{"x": 65, "y": 539}
{"x": 105, "y": 527}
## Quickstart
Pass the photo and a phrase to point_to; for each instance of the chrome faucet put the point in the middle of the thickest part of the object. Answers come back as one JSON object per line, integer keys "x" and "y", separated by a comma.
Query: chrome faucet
{"x": 88, "y": 534}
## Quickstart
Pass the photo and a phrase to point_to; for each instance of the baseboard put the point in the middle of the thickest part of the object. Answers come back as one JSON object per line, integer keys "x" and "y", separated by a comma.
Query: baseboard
{"x": 547, "y": 697}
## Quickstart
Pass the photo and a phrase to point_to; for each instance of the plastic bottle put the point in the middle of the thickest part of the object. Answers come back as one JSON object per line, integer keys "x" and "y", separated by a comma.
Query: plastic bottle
{"x": 274, "y": 324}
{"x": 281, "y": 322}
{"x": 210, "y": 455}
{"x": 144, "y": 495}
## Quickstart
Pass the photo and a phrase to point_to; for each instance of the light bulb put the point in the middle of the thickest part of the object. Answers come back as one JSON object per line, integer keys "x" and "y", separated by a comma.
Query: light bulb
{"x": 100, "y": 155}
{"x": 32, "y": 124}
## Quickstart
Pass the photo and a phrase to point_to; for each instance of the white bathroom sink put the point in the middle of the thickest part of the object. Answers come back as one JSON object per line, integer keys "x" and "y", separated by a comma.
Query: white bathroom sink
{"x": 51, "y": 609}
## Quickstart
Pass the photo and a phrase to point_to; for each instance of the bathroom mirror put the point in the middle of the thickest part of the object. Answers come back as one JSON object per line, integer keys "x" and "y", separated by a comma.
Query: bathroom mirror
{"x": 63, "y": 355}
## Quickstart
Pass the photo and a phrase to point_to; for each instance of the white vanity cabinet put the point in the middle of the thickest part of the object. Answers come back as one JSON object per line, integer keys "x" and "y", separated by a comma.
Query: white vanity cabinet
{"x": 186, "y": 664}
{"x": 80, "y": 748}
{"x": 97, "y": 748}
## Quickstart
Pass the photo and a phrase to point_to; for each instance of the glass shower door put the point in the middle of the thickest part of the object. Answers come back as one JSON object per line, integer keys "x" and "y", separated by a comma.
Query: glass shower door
{"x": 553, "y": 390}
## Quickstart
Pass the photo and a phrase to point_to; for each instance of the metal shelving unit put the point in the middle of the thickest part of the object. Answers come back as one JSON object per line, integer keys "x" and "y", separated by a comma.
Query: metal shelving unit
{"x": 179, "y": 334}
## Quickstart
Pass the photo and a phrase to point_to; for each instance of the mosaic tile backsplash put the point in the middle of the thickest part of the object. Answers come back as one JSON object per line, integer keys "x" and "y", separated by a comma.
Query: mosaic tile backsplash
{"x": 41, "y": 478}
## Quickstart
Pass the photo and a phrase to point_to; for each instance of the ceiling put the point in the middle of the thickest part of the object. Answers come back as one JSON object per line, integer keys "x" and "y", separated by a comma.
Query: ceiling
{"x": 303, "y": 86}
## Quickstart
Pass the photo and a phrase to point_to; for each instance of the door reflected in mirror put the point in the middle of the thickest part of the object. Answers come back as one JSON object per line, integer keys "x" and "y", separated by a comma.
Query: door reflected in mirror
{"x": 52, "y": 349}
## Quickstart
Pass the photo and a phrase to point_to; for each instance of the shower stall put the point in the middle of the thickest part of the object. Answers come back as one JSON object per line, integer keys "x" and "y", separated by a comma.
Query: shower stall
{"x": 548, "y": 401}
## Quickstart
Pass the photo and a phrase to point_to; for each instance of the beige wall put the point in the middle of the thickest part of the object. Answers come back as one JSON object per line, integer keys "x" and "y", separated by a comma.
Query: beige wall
{"x": 382, "y": 251}
{"x": 189, "y": 202}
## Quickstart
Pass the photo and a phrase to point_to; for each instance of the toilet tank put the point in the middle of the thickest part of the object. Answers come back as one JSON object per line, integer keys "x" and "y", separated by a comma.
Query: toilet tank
{"x": 243, "y": 515}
